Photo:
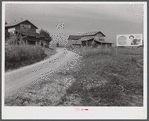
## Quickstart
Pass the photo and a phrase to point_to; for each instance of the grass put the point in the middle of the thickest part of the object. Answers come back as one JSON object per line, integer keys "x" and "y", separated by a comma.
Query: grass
{"x": 110, "y": 79}
{"x": 104, "y": 78}
{"x": 46, "y": 90}
{"x": 21, "y": 55}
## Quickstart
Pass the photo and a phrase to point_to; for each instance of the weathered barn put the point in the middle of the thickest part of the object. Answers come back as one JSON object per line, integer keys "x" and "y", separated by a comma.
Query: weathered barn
{"x": 26, "y": 32}
{"x": 75, "y": 40}
{"x": 94, "y": 38}
{"x": 90, "y": 39}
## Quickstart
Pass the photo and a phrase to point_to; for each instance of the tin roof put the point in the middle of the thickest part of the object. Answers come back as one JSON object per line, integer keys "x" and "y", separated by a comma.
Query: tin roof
{"x": 104, "y": 42}
{"x": 31, "y": 34}
{"x": 87, "y": 38}
{"x": 92, "y": 33}
{"x": 18, "y": 22}
{"x": 74, "y": 37}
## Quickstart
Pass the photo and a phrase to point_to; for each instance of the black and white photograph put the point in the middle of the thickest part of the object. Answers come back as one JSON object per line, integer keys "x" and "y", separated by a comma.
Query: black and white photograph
{"x": 74, "y": 57}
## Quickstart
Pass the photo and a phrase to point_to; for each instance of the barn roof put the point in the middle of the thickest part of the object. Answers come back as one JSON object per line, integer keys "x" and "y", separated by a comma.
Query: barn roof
{"x": 74, "y": 37}
{"x": 104, "y": 42}
{"x": 34, "y": 35}
{"x": 93, "y": 33}
{"x": 87, "y": 38}
{"x": 31, "y": 34}
{"x": 18, "y": 22}
{"x": 76, "y": 42}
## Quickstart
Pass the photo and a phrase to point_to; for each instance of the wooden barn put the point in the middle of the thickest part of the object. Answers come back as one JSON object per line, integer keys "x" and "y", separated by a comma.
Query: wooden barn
{"x": 89, "y": 39}
{"x": 26, "y": 33}
{"x": 94, "y": 38}
{"x": 75, "y": 40}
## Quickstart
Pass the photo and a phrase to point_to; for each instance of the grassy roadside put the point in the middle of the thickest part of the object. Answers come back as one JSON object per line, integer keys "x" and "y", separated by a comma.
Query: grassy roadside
{"x": 102, "y": 79}
{"x": 107, "y": 79}
{"x": 17, "y": 56}
{"x": 48, "y": 89}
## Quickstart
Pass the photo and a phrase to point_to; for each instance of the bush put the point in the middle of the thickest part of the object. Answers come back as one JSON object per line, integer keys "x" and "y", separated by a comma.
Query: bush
{"x": 12, "y": 40}
{"x": 46, "y": 34}
{"x": 18, "y": 55}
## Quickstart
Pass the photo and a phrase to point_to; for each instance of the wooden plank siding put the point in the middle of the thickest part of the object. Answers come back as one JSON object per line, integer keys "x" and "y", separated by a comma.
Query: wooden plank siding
{"x": 32, "y": 29}
{"x": 26, "y": 33}
{"x": 90, "y": 39}
{"x": 17, "y": 27}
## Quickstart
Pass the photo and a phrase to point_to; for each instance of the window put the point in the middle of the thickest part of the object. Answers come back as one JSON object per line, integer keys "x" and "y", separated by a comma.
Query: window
{"x": 101, "y": 38}
{"x": 11, "y": 30}
{"x": 25, "y": 26}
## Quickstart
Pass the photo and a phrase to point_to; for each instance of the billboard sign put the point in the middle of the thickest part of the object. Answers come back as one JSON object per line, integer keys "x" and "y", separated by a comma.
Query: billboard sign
{"x": 129, "y": 40}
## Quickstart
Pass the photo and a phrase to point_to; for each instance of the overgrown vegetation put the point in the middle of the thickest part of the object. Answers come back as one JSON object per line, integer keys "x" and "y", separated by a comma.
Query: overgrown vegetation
{"x": 21, "y": 55}
{"x": 109, "y": 79}
{"x": 46, "y": 34}
{"x": 104, "y": 78}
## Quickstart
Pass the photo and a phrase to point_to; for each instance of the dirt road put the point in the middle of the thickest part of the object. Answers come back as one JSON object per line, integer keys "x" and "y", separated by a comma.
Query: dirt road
{"x": 20, "y": 78}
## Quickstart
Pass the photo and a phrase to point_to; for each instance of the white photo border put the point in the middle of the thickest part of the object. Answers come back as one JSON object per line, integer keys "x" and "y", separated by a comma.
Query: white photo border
{"x": 52, "y": 112}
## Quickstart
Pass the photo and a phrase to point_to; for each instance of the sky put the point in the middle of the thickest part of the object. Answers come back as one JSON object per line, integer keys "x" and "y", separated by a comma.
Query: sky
{"x": 78, "y": 18}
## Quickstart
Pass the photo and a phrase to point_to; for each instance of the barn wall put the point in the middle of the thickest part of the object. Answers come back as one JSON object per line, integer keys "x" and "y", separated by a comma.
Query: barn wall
{"x": 83, "y": 43}
{"x": 32, "y": 29}
{"x": 100, "y": 37}
{"x": 88, "y": 37}
{"x": 89, "y": 42}
{"x": 31, "y": 42}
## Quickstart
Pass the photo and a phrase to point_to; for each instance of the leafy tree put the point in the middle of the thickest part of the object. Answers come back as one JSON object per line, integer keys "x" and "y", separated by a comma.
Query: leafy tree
{"x": 45, "y": 33}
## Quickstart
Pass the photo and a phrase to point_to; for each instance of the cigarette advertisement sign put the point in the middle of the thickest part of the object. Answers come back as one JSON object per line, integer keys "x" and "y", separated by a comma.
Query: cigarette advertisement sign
{"x": 129, "y": 40}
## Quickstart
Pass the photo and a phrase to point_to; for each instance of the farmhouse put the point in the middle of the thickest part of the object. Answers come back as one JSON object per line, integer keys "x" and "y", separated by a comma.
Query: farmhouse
{"x": 90, "y": 38}
{"x": 26, "y": 33}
